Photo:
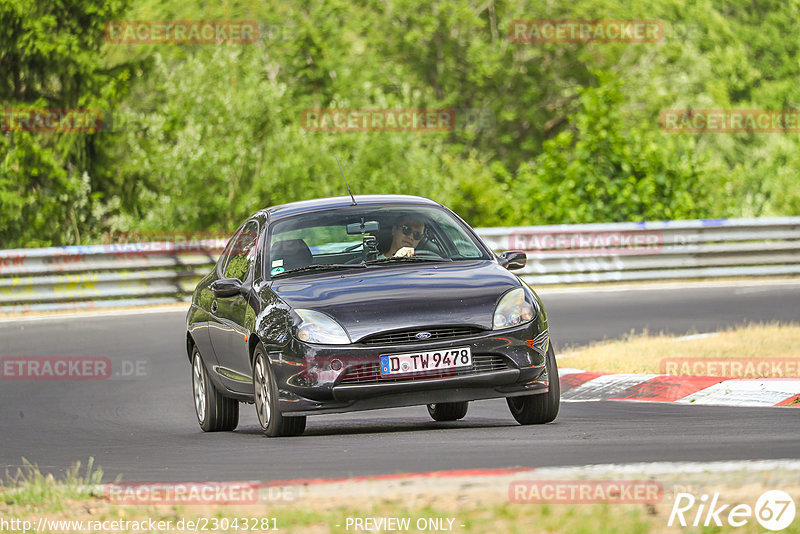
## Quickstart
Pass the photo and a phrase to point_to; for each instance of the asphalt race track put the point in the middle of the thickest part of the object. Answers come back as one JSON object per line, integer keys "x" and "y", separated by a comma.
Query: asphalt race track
{"x": 144, "y": 427}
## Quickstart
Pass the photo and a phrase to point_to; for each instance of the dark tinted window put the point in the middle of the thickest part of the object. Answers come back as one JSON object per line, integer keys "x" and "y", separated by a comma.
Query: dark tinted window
{"x": 332, "y": 236}
{"x": 242, "y": 252}
{"x": 226, "y": 252}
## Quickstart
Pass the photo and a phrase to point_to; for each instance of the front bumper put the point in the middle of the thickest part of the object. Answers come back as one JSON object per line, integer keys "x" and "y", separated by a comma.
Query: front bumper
{"x": 505, "y": 364}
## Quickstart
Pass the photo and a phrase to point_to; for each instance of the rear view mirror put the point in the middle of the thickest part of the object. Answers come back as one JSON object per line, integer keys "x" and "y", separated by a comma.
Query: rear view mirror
{"x": 363, "y": 227}
{"x": 513, "y": 259}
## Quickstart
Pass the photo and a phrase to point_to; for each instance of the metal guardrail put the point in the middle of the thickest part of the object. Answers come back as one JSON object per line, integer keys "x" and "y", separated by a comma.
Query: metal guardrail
{"x": 668, "y": 250}
{"x": 100, "y": 276}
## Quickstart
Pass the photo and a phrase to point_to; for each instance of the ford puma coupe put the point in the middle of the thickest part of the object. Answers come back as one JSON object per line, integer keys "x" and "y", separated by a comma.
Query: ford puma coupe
{"x": 356, "y": 303}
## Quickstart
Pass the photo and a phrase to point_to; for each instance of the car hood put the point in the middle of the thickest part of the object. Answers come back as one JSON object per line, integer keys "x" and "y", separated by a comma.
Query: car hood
{"x": 391, "y": 297}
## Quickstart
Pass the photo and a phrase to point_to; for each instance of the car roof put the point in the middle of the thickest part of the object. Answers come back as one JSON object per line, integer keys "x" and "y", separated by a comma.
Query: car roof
{"x": 319, "y": 204}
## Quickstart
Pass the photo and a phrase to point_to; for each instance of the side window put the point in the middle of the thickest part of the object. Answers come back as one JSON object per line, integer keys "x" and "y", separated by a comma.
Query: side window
{"x": 242, "y": 252}
{"x": 465, "y": 248}
{"x": 223, "y": 258}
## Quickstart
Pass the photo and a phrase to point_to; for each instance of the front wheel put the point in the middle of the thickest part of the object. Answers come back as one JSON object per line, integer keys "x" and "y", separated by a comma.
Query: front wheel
{"x": 265, "y": 388}
{"x": 214, "y": 412}
{"x": 543, "y": 407}
{"x": 448, "y": 411}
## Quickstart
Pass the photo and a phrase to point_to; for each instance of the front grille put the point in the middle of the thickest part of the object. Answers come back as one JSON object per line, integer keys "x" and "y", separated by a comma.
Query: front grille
{"x": 409, "y": 335}
{"x": 367, "y": 373}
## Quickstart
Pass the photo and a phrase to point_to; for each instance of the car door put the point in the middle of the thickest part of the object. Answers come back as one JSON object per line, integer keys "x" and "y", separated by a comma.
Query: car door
{"x": 230, "y": 334}
{"x": 200, "y": 320}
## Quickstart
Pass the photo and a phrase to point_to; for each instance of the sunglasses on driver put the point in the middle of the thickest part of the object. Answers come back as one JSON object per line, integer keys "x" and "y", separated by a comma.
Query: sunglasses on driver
{"x": 416, "y": 235}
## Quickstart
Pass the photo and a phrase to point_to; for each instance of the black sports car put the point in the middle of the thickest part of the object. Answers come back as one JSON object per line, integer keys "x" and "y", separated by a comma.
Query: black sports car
{"x": 354, "y": 303}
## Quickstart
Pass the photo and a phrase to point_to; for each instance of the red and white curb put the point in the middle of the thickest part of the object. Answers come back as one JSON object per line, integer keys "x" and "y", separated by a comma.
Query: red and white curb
{"x": 579, "y": 385}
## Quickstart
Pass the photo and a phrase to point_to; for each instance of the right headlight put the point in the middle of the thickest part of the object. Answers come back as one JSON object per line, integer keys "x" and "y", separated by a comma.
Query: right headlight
{"x": 512, "y": 310}
{"x": 317, "y": 327}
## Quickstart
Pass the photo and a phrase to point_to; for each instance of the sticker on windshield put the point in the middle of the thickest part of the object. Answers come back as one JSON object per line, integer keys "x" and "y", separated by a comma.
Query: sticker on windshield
{"x": 277, "y": 263}
{"x": 277, "y": 270}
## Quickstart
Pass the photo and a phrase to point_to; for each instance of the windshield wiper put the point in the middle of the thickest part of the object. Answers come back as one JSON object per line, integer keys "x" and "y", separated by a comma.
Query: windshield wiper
{"x": 321, "y": 267}
{"x": 406, "y": 259}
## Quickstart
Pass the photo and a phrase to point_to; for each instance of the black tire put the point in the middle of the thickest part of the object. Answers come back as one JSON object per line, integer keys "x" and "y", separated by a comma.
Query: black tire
{"x": 448, "y": 411}
{"x": 542, "y": 407}
{"x": 214, "y": 412}
{"x": 265, "y": 395}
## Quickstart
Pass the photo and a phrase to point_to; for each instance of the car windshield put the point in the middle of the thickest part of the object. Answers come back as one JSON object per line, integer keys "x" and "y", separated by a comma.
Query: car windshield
{"x": 369, "y": 235}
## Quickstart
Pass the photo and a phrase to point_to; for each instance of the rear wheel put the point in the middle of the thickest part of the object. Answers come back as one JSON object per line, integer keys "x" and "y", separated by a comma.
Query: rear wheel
{"x": 448, "y": 411}
{"x": 265, "y": 387}
{"x": 214, "y": 412}
{"x": 543, "y": 407}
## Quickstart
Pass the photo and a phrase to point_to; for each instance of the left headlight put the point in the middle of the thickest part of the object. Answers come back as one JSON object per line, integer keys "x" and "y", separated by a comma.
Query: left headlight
{"x": 317, "y": 327}
{"x": 512, "y": 310}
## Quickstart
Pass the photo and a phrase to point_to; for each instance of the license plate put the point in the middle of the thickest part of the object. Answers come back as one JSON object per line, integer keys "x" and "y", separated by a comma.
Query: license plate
{"x": 415, "y": 362}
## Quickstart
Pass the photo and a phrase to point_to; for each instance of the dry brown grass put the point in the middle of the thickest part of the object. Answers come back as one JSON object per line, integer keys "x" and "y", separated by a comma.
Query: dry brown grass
{"x": 644, "y": 353}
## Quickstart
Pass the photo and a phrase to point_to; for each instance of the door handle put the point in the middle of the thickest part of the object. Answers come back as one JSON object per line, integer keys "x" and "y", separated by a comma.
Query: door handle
{"x": 214, "y": 306}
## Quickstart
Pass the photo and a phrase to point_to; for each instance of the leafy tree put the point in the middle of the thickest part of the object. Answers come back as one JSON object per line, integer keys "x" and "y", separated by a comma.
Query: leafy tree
{"x": 50, "y": 59}
{"x": 203, "y": 135}
{"x": 608, "y": 168}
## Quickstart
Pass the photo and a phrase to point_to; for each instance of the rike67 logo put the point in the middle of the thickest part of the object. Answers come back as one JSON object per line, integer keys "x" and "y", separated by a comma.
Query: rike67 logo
{"x": 774, "y": 510}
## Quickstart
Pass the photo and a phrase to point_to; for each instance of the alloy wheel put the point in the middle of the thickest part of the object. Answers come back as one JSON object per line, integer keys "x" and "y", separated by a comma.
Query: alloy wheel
{"x": 263, "y": 392}
{"x": 199, "y": 382}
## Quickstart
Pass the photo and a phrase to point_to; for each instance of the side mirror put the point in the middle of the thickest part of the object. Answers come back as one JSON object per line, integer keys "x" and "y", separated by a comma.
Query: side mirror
{"x": 513, "y": 259}
{"x": 226, "y": 287}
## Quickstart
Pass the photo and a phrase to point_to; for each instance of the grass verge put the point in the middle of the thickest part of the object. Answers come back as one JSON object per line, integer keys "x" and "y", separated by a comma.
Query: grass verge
{"x": 452, "y": 504}
{"x": 647, "y": 353}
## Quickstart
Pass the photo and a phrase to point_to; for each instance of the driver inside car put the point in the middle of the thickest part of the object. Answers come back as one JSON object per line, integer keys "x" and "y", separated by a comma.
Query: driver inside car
{"x": 407, "y": 232}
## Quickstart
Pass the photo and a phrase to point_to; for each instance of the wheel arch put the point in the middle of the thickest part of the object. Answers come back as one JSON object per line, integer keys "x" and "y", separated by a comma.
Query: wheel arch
{"x": 190, "y": 345}
{"x": 252, "y": 344}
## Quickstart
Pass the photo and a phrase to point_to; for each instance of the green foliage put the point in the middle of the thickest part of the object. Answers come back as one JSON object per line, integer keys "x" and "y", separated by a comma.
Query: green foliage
{"x": 29, "y": 488}
{"x": 50, "y": 56}
{"x": 200, "y": 136}
{"x": 610, "y": 168}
